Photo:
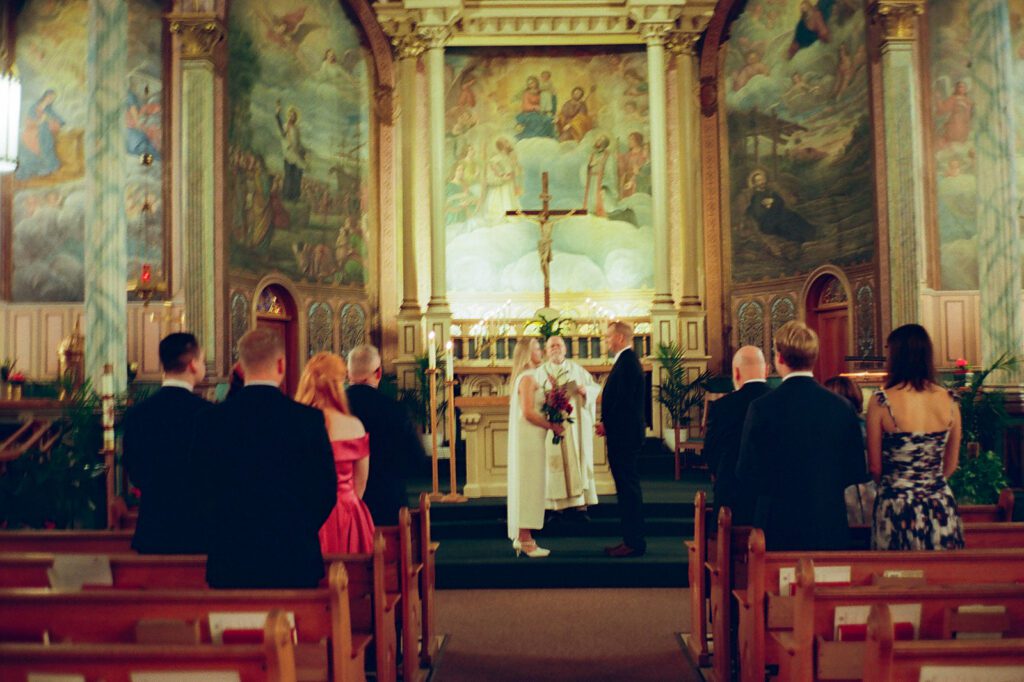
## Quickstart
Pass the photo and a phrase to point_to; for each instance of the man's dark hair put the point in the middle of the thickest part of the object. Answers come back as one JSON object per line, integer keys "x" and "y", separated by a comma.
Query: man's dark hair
{"x": 911, "y": 358}
{"x": 176, "y": 351}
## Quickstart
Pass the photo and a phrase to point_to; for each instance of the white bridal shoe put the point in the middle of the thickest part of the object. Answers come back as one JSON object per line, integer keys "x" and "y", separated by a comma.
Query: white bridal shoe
{"x": 530, "y": 549}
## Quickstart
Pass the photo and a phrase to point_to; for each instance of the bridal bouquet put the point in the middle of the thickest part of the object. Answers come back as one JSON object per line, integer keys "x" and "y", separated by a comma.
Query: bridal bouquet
{"x": 557, "y": 405}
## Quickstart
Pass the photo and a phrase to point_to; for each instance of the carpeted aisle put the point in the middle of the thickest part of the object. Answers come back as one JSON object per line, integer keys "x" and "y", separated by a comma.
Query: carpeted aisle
{"x": 563, "y": 634}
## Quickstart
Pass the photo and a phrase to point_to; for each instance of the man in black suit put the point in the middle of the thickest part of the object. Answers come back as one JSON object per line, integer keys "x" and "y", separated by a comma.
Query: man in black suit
{"x": 158, "y": 434}
{"x": 270, "y": 477}
{"x": 725, "y": 426}
{"x": 623, "y": 425}
{"x": 801, "y": 447}
{"x": 395, "y": 446}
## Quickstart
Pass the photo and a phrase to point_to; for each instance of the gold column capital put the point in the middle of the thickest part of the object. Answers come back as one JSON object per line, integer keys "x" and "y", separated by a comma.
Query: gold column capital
{"x": 898, "y": 18}
{"x": 683, "y": 43}
{"x": 199, "y": 34}
{"x": 656, "y": 33}
{"x": 434, "y": 35}
{"x": 409, "y": 45}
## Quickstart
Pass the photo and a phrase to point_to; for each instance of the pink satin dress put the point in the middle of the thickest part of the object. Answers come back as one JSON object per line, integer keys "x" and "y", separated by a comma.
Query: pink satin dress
{"x": 349, "y": 528}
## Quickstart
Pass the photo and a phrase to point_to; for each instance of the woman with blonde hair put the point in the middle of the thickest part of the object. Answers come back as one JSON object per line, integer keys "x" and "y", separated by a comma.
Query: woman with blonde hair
{"x": 527, "y": 468}
{"x": 349, "y": 528}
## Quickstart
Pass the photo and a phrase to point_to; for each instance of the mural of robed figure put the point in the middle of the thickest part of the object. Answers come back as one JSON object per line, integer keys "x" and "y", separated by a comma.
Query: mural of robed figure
{"x": 768, "y": 210}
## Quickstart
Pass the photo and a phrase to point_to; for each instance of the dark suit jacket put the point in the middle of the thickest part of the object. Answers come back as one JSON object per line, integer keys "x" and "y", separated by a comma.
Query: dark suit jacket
{"x": 395, "y": 449}
{"x": 801, "y": 447}
{"x": 722, "y": 449}
{"x": 157, "y": 442}
{"x": 622, "y": 404}
{"x": 271, "y": 482}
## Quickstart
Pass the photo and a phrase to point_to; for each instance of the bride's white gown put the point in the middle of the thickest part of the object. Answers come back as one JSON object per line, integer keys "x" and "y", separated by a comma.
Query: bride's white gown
{"x": 527, "y": 468}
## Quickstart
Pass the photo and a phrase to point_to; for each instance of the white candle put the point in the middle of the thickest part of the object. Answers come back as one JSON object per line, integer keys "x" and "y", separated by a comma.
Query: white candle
{"x": 432, "y": 350}
{"x": 449, "y": 361}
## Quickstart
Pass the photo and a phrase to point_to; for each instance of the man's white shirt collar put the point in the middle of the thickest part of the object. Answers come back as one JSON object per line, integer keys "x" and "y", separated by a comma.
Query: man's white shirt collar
{"x": 262, "y": 382}
{"x": 177, "y": 383}
{"x": 798, "y": 374}
{"x": 753, "y": 381}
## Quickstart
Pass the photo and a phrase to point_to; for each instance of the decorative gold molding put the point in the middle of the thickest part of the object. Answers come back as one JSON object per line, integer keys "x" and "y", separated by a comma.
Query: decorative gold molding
{"x": 898, "y": 18}
{"x": 198, "y": 34}
{"x": 409, "y": 45}
{"x": 683, "y": 43}
{"x": 435, "y": 35}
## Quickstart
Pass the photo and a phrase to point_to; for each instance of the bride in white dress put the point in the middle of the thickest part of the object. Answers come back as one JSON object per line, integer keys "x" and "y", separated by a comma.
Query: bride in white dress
{"x": 527, "y": 467}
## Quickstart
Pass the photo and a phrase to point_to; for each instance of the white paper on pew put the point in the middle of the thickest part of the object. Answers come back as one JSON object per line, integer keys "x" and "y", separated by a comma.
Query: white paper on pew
{"x": 858, "y": 615}
{"x": 54, "y": 677}
{"x": 248, "y": 620}
{"x": 822, "y": 574}
{"x": 971, "y": 673}
{"x": 71, "y": 571}
{"x": 188, "y": 676}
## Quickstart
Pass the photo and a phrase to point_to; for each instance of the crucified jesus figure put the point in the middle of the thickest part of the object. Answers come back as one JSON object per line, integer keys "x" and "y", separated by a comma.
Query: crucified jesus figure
{"x": 543, "y": 217}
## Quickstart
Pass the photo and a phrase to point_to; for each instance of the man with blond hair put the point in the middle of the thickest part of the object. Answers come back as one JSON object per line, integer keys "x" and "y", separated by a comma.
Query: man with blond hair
{"x": 725, "y": 426}
{"x": 801, "y": 447}
{"x": 270, "y": 478}
{"x": 395, "y": 447}
{"x": 623, "y": 425}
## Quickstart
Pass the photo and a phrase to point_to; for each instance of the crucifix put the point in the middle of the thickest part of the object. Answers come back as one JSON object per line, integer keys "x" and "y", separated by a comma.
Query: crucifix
{"x": 546, "y": 218}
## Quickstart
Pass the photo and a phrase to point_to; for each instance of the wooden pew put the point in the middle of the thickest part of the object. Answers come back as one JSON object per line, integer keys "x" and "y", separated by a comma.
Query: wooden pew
{"x": 808, "y": 652}
{"x": 888, "y": 660}
{"x": 110, "y": 616}
{"x": 428, "y": 555}
{"x": 989, "y": 513}
{"x": 697, "y": 552}
{"x": 67, "y": 541}
{"x": 761, "y": 609}
{"x": 271, "y": 661}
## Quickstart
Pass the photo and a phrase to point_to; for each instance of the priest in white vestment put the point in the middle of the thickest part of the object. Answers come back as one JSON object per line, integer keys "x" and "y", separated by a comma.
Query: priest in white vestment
{"x": 571, "y": 482}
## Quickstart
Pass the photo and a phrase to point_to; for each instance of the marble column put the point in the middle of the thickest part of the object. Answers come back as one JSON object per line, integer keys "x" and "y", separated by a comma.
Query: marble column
{"x": 687, "y": 71}
{"x": 197, "y": 39}
{"x": 904, "y": 156}
{"x": 438, "y": 317}
{"x": 106, "y": 257}
{"x": 997, "y": 213}
{"x": 408, "y": 48}
{"x": 656, "y": 35}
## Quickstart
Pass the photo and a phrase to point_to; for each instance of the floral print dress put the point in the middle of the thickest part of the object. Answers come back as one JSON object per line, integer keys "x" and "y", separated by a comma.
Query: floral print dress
{"x": 914, "y": 509}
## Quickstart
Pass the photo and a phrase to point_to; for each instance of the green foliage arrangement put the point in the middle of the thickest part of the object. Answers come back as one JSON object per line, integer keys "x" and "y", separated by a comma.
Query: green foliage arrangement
{"x": 547, "y": 327}
{"x": 61, "y": 487}
{"x": 677, "y": 394}
{"x": 417, "y": 400}
{"x": 980, "y": 476}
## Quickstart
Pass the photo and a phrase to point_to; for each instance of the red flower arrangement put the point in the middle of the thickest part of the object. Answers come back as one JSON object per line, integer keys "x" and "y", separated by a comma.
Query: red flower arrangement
{"x": 557, "y": 405}
{"x": 16, "y": 378}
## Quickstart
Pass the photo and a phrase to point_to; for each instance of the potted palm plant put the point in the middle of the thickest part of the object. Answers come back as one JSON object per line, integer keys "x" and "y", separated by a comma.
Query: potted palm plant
{"x": 677, "y": 393}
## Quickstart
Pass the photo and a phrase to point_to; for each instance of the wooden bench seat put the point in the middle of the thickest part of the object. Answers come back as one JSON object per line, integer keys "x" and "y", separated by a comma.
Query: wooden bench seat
{"x": 322, "y": 616}
{"x": 808, "y": 652}
{"x": 762, "y": 609}
{"x": 888, "y": 660}
{"x": 271, "y": 661}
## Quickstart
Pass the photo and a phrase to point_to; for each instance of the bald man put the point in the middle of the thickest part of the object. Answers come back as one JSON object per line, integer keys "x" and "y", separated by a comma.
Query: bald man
{"x": 725, "y": 427}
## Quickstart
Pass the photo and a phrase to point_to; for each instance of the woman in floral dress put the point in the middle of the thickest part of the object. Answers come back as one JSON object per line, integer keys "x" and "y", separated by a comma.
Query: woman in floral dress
{"x": 913, "y": 434}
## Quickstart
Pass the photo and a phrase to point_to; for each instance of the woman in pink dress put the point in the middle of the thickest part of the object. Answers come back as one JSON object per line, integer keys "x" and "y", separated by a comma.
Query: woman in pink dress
{"x": 349, "y": 528}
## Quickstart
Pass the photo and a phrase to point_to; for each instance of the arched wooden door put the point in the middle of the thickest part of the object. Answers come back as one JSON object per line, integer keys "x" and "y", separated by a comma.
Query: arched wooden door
{"x": 275, "y": 309}
{"x": 828, "y": 314}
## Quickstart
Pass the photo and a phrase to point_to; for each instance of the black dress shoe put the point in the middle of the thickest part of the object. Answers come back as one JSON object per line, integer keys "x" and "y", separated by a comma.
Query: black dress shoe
{"x": 623, "y": 551}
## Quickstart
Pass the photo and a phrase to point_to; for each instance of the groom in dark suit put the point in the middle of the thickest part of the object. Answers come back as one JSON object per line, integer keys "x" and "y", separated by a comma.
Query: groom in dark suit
{"x": 623, "y": 425}
{"x": 801, "y": 447}
{"x": 725, "y": 426}
{"x": 158, "y": 434}
{"x": 270, "y": 475}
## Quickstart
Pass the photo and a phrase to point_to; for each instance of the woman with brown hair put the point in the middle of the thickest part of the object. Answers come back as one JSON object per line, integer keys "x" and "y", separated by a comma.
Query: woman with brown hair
{"x": 349, "y": 528}
{"x": 913, "y": 430}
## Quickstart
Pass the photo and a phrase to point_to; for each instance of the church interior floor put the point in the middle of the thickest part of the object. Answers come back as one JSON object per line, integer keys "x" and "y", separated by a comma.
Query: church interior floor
{"x": 474, "y": 551}
{"x": 563, "y": 634}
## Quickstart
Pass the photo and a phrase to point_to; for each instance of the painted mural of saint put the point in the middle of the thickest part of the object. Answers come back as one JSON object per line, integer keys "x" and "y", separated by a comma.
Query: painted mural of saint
{"x": 958, "y": 109}
{"x": 768, "y": 210}
{"x": 601, "y": 177}
{"x": 142, "y": 127}
{"x": 813, "y": 25}
{"x": 294, "y": 152}
{"x": 38, "y": 155}
{"x": 574, "y": 121}
{"x": 501, "y": 178}
{"x": 531, "y": 121}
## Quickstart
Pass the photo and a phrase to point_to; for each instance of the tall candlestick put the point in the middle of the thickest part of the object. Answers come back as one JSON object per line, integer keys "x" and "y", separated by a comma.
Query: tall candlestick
{"x": 432, "y": 350}
{"x": 449, "y": 362}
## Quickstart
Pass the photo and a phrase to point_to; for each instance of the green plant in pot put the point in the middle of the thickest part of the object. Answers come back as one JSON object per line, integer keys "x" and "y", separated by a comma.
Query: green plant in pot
{"x": 677, "y": 393}
{"x": 980, "y": 476}
{"x": 417, "y": 399}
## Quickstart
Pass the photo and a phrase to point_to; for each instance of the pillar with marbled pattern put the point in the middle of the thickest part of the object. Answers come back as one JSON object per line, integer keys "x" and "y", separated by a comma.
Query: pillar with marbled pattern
{"x": 997, "y": 212}
{"x": 106, "y": 257}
